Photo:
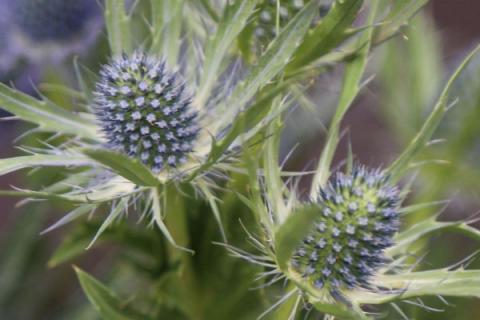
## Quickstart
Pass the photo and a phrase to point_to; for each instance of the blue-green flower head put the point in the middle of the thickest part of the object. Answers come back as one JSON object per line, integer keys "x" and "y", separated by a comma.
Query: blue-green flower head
{"x": 357, "y": 219}
{"x": 145, "y": 111}
{"x": 269, "y": 10}
{"x": 59, "y": 27}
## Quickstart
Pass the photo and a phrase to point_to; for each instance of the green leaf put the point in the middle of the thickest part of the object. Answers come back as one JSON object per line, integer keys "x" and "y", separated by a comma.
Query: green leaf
{"x": 351, "y": 87}
{"x": 407, "y": 210}
{"x": 40, "y": 160}
{"x": 65, "y": 185}
{"x": 232, "y": 23}
{"x": 48, "y": 116}
{"x": 62, "y": 90}
{"x": 115, "y": 212}
{"x": 243, "y": 122}
{"x": 255, "y": 201}
{"x": 167, "y": 20}
{"x": 86, "y": 80}
{"x": 17, "y": 249}
{"x": 420, "y": 229}
{"x": 209, "y": 8}
{"x": 72, "y": 215}
{"x": 212, "y": 200}
{"x": 289, "y": 308}
{"x": 118, "y": 27}
{"x": 106, "y": 302}
{"x": 132, "y": 240}
{"x": 38, "y": 195}
{"x": 274, "y": 185}
{"x": 291, "y": 233}
{"x": 442, "y": 282}
{"x": 73, "y": 245}
{"x": 403, "y": 162}
{"x": 414, "y": 85}
{"x": 129, "y": 168}
{"x": 113, "y": 189}
{"x": 328, "y": 34}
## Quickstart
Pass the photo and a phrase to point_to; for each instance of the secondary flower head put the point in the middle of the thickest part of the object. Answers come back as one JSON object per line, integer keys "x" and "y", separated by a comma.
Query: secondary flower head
{"x": 145, "y": 111}
{"x": 266, "y": 24}
{"x": 44, "y": 28}
{"x": 357, "y": 218}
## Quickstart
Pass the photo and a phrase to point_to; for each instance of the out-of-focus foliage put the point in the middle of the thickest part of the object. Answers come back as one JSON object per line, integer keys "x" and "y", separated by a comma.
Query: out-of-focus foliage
{"x": 224, "y": 233}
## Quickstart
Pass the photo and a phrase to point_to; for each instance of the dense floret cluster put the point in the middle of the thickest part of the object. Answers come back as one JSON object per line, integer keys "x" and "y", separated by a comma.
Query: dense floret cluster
{"x": 145, "y": 111}
{"x": 357, "y": 218}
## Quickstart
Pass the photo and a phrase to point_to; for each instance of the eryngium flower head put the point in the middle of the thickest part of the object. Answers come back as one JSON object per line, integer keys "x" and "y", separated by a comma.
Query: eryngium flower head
{"x": 145, "y": 111}
{"x": 266, "y": 24}
{"x": 357, "y": 218}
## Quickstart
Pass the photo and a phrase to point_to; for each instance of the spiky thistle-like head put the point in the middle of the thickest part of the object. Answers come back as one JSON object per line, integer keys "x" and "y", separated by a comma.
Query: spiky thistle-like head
{"x": 357, "y": 218}
{"x": 269, "y": 10}
{"x": 145, "y": 111}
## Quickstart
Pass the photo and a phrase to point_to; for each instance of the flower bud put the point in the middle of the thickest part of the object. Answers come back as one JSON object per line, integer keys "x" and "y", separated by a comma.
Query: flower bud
{"x": 268, "y": 10}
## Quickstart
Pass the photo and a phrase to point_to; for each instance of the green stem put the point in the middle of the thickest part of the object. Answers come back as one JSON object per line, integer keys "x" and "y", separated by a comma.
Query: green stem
{"x": 176, "y": 221}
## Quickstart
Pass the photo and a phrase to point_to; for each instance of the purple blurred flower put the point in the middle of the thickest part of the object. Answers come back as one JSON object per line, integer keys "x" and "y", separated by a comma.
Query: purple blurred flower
{"x": 50, "y": 30}
{"x": 7, "y": 55}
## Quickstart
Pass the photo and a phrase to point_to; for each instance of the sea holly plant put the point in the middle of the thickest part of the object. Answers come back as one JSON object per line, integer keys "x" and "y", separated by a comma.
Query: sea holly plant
{"x": 179, "y": 126}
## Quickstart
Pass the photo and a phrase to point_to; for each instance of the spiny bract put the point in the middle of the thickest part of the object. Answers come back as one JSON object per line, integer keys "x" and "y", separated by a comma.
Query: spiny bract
{"x": 358, "y": 216}
{"x": 145, "y": 111}
{"x": 266, "y": 25}
{"x": 45, "y": 20}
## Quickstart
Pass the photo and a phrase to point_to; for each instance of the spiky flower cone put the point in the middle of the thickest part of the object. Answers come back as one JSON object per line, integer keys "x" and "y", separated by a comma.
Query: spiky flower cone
{"x": 145, "y": 111}
{"x": 357, "y": 218}
{"x": 268, "y": 10}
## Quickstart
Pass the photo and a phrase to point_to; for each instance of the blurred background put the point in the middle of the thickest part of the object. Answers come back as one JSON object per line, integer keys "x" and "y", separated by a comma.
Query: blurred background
{"x": 407, "y": 74}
